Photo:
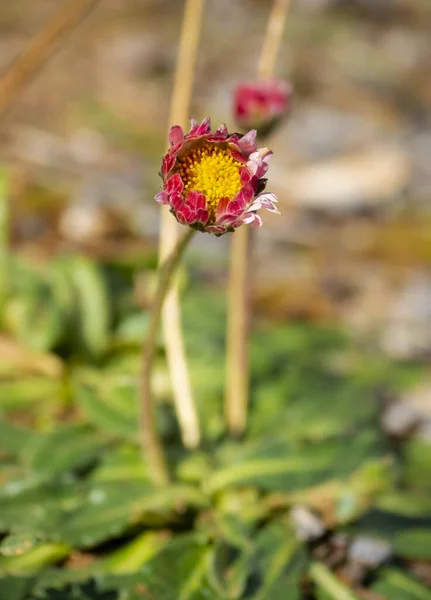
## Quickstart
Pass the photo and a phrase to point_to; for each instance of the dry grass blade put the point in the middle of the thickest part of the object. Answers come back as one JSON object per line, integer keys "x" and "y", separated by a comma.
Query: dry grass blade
{"x": 40, "y": 48}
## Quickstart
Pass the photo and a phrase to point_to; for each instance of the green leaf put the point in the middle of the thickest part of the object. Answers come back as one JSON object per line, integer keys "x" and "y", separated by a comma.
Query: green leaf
{"x": 64, "y": 449}
{"x": 330, "y": 585}
{"x": 35, "y": 560}
{"x": 35, "y": 319}
{"x": 396, "y": 585}
{"x": 178, "y": 572}
{"x": 417, "y": 465}
{"x": 275, "y": 464}
{"x": 13, "y": 440}
{"x": 17, "y": 544}
{"x": 130, "y": 557}
{"x": 15, "y": 588}
{"x": 78, "y": 591}
{"x": 93, "y": 311}
{"x": 112, "y": 508}
{"x": 109, "y": 402}
{"x": 15, "y": 394}
{"x": 405, "y": 503}
{"x": 28, "y": 507}
{"x": 281, "y": 562}
{"x": 413, "y": 543}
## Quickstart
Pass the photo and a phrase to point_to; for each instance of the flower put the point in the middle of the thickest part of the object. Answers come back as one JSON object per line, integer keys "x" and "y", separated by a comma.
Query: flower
{"x": 261, "y": 104}
{"x": 212, "y": 180}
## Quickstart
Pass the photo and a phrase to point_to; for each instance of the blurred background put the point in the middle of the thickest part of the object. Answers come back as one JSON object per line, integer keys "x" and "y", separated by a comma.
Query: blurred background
{"x": 341, "y": 294}
{"x": 351, "y": 168}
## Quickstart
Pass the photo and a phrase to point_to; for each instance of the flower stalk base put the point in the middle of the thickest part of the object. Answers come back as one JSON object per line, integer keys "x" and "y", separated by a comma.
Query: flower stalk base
{"x": 152, "y": 447}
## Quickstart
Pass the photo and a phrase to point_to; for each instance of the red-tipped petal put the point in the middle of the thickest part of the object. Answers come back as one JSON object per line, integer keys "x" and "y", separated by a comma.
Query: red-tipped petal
{"x": 245, "y": 175}
{"x": 204, "y": 127}
{"x": 222, "y": 207}
{"x": 194, "y": 200}
{"x": 176, "y": 135}
{"x": 236, "y": 207}
{"x": 168, "y": 163}
{"x": 202, "y": 216}
{"x": 176, "y": 201}
{"x": 186, "y": 215}
{"x": 174, "y": 184}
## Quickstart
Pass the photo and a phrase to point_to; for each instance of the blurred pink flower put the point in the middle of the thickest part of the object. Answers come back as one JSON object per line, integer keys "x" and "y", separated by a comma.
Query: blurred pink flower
{"x": 214, "y": 181}
{"x": 261, "y": 104}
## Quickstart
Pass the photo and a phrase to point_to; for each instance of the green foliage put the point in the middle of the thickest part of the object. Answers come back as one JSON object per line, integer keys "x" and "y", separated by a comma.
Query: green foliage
{"x": 79, "y": 518}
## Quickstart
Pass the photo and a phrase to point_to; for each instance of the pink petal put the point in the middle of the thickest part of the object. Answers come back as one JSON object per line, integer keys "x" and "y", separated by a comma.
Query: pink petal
{"x": 247, "y": 143}
{"x": 266, "y": 201}
{"x": 202, "y": 216}
{"x": 216, "y": 229}
{"x": 196, "y": 200}
{"x": 252, "y": 219}
{"x": 176, "y": 135}
{"x": 227, "y": 220}
{"x": 186, "y": 216}
{"x": 245, "y": 175}
{"x": 236, "y": 207}
{"x": 204, "y": 127}
{"x": 246, "y": 193}
{"x": 222, "y": 206}
{"x": 176, "y": 201}
{"x": 193, "y": 127}
{"x": 174, "y": 184}
{"x": 161, "y": 198}
{"x": 238, "y": 156}
{"x": 168, "y": 163}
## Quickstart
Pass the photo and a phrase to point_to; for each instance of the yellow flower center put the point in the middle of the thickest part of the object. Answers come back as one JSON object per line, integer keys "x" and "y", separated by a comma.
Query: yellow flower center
{"x": 213, "y": 171}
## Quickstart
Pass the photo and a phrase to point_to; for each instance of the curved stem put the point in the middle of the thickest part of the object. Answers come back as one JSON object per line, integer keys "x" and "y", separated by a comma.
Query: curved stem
{"x": 152, "y": 447}
{"x": 171, "y": 316}
{"x": 237, "y": 376}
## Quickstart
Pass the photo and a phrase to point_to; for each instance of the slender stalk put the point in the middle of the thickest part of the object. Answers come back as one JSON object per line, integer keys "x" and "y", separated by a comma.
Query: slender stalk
{"x": 171, "y": 316}
{"x": 151, "y": 445}
{"x": 40, "y": 48}
{"x": 273, "y": 38}
{"x": 237, "y": 374}
{"x": 4, "y": 239}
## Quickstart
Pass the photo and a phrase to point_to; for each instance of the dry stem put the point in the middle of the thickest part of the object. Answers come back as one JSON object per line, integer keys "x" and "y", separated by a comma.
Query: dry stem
{"x": 40, "y": 48}
{"x": 151, "y": 444}
{"x": 237, "y": 375}
{"x": 171, "y": 316}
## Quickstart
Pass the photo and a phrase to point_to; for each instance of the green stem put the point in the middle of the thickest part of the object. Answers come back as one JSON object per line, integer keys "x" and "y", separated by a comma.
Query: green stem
{"x": 151, "y": 444}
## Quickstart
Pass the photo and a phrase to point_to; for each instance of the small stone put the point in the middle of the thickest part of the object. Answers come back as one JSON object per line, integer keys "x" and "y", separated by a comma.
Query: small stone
{"x": 347, "y": 184}
{"x": 399, "y": 419}
{"x": 369, "y": 552}
{"x": 407, "y": 334}
{"x": 307, "y": 524}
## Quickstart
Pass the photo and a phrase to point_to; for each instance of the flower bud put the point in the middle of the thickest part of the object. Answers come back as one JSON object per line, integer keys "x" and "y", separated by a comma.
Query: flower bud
{"x": 261, "y": 104}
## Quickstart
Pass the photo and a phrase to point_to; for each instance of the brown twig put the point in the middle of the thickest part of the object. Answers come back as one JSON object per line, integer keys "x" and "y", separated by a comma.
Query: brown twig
{"x": 40, "y": 49}
{"x": 171, "y": 316}
{"x": 151, "y": 444}
{"x": 237, "y": 374}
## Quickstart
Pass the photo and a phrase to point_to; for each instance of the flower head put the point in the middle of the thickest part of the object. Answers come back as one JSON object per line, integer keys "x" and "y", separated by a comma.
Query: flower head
{"x": 261, "y": 104}
{"x": 212, "y": 180}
